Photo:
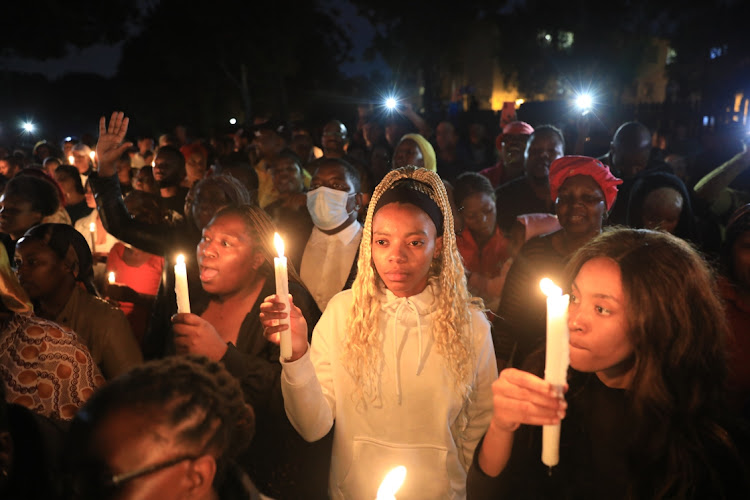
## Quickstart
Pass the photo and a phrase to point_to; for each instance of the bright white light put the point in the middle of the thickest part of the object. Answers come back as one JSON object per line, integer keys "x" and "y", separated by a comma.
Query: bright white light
{"x": 549, "y": 288}
{"x": 68, "y": 139}
{"x": 391, "y": 484}
{"x": 28, "y": 126}
{"x": 390, "y": 103}
{"x": 232, "y": 121}
{"x": 584, "y": 101}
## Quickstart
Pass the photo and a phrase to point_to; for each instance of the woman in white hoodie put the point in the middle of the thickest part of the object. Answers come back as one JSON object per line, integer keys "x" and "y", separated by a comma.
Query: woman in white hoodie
{"x": 403, "y": 362}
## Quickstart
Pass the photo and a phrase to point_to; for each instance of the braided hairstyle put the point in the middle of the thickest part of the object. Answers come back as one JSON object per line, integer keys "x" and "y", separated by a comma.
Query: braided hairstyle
{"x": 193, "y": 395}
{"x": 261, "y": 228}
{"x": 362, "y": 353}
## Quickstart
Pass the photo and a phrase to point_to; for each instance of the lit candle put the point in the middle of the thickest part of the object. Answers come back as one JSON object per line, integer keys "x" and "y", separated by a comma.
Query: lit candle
{"x": 392, "y": 482}
{"x": 282, "y": 292}
{"x": 92, "y": 155}
{"x": 71, "y": 160}
{"x": 92, "y": 232}
{"x": 181, "y": 285}
{"x": 556, "y": 362}
{"x": 111, "y": 278}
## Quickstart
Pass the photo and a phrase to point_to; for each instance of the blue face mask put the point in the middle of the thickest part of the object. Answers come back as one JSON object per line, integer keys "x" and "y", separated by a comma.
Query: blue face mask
{"x": 327, "y": 207}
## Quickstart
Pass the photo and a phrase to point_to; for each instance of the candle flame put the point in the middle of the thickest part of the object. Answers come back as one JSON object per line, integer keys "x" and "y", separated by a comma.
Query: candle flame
{"x": 71, "y": 159}
{"x": 111, "y": 277}
{"x": 392, "y": 482}
{"x": 92, "y": 155}
{"x": 549, "y": 288}
{"x": 92, "y": 227}
{"x": 279, "y": 244}
{"x": 181, "y": 259}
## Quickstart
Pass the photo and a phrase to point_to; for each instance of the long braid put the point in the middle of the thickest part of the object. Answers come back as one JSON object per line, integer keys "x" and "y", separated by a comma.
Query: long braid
{"x": 362, "y": 354}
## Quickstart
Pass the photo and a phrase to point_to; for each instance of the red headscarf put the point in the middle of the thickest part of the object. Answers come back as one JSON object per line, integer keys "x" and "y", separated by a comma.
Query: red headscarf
{"x": 568, "y": 166}
{"x": 515, "y": 128}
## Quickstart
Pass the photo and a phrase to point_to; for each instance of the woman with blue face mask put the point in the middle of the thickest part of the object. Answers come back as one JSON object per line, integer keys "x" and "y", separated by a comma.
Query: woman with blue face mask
{"x": 328, "y": 262}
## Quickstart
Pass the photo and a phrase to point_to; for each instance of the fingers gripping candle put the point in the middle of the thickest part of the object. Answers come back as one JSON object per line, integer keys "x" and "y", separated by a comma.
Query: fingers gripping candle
{"x": 556, "y": 362}
{"x": 181, "y": 285}
{"x": 282, "y": 292}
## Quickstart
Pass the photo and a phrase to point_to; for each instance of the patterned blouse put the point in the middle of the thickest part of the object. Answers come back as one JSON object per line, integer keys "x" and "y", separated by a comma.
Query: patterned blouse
{"x": 45, "y": 368}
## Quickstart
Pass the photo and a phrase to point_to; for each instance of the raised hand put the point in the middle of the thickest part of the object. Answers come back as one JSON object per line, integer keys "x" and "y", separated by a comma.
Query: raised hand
{"x": 271, "y": 311}
{"x": 110, "y": 145}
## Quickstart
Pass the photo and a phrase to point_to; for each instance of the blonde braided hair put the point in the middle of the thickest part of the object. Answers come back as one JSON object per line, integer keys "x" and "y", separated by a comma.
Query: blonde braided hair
{"x": 362, "y": 353}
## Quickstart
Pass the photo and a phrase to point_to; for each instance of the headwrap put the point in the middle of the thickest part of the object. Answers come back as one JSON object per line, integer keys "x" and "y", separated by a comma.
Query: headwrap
{"x": 568, "y": 166}
{"x": 513, "y": 128}
{"x": 428, "y": 152}
{"x": 415, "y": 193}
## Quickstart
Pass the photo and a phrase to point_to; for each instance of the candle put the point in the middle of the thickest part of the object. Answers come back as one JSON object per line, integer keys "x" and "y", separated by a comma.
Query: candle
{"x": 556, "y": 362}
{"x": 111, "y": 278}
{"x": 282, "y": 292}
{"x": 181, "y": 285}
{"x": 392, "y": 482}
{"x": 92, "y": 155}
{"x": 92, "y": 231}
{"x": 71, "y": 160}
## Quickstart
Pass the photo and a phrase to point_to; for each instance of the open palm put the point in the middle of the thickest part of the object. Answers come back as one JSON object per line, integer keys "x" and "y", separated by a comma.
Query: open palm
{"x": 110, "y": 145}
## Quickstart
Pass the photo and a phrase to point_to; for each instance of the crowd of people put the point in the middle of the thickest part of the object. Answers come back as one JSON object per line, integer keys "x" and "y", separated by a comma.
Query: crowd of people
{"x": 415, "y": 319}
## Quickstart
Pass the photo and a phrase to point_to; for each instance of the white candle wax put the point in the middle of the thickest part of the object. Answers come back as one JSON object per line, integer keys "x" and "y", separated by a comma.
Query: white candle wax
{"x": 92, "y": 231}
{"x": 556, "y": 362}
{"x": 181, "y": 285}
{"x": 282, "y": 292}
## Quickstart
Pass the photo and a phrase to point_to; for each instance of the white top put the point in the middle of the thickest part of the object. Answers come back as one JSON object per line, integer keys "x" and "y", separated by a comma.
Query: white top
{"x": 82, "y": 226}
{"x": 327, "y": 261}
{"x": 415, "y": 420}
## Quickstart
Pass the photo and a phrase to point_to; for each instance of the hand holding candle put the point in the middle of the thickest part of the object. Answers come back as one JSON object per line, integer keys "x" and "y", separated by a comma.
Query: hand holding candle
{"x": 556, "y": 362}
{"x": 282, "y": 292}
{"x": 181, "y": 285}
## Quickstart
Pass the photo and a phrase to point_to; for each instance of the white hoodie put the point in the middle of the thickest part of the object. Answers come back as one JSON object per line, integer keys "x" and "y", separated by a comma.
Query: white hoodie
{"x": 414, "y": 422}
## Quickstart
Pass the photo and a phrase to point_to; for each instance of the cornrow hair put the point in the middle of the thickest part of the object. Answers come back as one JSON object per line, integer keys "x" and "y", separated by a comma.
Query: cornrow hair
{"x": 362, "y": 353}
{"x": 193, "y": 395}
{"x": 261, "y": 229}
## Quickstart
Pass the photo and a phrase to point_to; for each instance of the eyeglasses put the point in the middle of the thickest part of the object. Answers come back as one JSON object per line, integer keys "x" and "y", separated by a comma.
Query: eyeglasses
{"x": 98, "y": 482}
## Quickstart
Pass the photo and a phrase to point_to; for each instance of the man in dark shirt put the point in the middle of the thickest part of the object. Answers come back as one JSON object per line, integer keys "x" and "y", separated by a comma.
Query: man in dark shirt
{"x": 530, "y": 193}
{"x": 169, "y": 171}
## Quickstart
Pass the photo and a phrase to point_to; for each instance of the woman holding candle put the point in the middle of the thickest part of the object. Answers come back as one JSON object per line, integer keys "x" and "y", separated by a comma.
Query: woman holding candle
{"x": 403, "y": 361}
{"x": 644, "y": 412}
{"x": 236, "y": 262}
{"x": 584, "y": 190}
{"x": 163, "y": 239}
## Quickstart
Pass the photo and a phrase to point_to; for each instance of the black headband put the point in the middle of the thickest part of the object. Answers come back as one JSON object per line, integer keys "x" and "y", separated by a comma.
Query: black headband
{"x": 409, "y": 192}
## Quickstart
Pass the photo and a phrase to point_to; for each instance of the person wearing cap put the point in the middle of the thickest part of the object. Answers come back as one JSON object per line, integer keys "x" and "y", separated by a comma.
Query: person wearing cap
{"x": 403, "y": 362}
{"x": 584, "y": 190}
{"x": 511, "y": 144}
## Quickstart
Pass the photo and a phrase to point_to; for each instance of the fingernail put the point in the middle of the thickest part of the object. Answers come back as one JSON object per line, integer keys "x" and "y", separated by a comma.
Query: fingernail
{"x": 560, "y": 414}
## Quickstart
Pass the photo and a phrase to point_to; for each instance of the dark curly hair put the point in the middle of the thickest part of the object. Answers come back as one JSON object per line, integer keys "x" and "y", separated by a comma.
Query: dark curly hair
{"x": 191, "y": 394}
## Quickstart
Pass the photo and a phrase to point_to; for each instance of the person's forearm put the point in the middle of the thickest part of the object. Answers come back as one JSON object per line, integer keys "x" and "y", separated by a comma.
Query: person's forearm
{"x": 495, "y": 451}
{"x": 711, "y": 185}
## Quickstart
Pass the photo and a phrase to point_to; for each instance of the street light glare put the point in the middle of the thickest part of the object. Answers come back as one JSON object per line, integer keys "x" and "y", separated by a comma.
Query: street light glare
{"x": 390, "y": 103}
{"x": 584, "y": 101}
{"x": 28, "y": 127}
{"x": 232, "y": 121}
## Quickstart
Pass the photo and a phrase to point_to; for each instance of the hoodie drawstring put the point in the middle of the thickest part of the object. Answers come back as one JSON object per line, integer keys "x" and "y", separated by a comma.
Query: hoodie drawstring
{"x": 396, "y": 372}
